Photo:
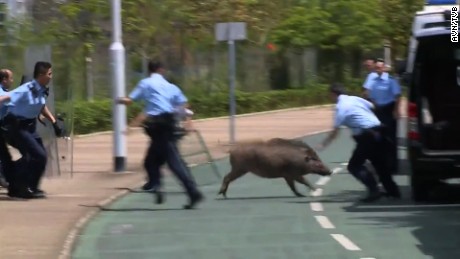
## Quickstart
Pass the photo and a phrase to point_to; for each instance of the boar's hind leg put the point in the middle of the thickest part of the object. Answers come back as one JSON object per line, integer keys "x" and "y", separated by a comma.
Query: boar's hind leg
{"x": 290, "y": 182}
{"x": 305, "y": 182}
{"x": 230, "y": 177}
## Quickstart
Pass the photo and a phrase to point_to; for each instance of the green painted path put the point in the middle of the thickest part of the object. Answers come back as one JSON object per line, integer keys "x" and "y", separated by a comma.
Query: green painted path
{"x": 262, "y": 219}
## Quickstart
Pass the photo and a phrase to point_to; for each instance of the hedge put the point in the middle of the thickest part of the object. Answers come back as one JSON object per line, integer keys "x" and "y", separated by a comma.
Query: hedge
{"x": 97, "y": 115}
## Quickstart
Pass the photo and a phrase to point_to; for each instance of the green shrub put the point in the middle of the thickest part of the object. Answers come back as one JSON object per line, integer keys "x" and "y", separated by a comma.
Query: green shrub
{"x": 97, "y": 115}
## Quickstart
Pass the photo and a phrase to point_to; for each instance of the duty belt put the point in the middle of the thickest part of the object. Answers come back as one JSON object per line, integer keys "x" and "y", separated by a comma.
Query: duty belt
{"x": 18, "y": 122}
{"x": 164, "y": 118}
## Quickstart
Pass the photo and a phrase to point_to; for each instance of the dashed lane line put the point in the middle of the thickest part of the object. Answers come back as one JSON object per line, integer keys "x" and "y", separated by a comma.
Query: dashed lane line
{"x": 323, "y": 180}
{"x": 345, "y": 242}
{"x": 337, "y": 170}
{"x": 324, "y": 222}
{"x": 316, "y": 206}
{"x": 317, "y": 192}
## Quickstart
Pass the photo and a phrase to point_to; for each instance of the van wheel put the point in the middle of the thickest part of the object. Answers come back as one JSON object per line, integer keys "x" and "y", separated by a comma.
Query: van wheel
{"x": 421, "y": 188}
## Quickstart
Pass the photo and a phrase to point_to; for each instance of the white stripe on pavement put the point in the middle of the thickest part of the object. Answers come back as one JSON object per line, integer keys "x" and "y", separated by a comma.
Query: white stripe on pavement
{"x": 323, "y": 180}
{"x": 316, "y": 206}
{"x": 324, "y": 222}
{"x": 337, "y": 170}
{"x": 317, "y": 193}
{"x": 345, "y": 242}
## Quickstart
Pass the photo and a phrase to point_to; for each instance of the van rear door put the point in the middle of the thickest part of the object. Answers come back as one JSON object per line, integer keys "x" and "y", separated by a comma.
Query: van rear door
{"x": 437, "y": 79}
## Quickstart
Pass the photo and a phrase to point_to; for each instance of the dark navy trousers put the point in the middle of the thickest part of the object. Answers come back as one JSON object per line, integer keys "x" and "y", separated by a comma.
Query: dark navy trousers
{"x": 163, "y": 149}
{"x": 31, "y": 167}
{"x": 370, "y": 146}
{"x": 385, "y": 114}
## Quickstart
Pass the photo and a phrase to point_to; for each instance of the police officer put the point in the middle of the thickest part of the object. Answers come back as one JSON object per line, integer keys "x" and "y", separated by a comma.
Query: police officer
{"x": 25, "y": 104}
{"x": 161, "y": 97}
{"x": 385, "y": 92}
{"x": 356, "y": 113}
{"x": 6, "y": 82}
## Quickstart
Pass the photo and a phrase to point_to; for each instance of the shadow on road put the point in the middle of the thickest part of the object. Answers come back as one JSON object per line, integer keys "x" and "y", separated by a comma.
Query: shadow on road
{"x": 102, "y": 208}
{"x": 435, "y": 224}
{"x": 257, "y": 198}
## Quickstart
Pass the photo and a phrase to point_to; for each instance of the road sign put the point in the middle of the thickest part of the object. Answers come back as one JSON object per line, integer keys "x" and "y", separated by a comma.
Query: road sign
{"x": 231, "y": 32}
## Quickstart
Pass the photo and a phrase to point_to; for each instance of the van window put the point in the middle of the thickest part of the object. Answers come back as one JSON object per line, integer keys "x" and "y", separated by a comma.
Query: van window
{"x": 436, "y": 24}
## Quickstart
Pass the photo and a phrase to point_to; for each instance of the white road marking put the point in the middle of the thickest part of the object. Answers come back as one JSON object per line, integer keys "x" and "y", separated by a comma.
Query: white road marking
{"x": 324, "y": 222}
{"x": 344, "y": 164}
{"x": 323, "y": 180}
{"x": 317, "y": 193}
{"x": 316, "y": 206}
{"x": 345, "y": 242}
{"x": 337, "y": 170}
{"x": 410, "y": 206}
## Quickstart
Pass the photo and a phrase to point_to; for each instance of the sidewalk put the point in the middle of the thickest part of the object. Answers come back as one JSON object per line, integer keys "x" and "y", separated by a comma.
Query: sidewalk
{"x": 40, "y": 228}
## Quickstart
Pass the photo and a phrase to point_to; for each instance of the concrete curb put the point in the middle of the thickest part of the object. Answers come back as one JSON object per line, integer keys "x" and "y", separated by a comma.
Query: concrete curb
{"x": 70, "y": 241}
{"x": 223, "y": 117}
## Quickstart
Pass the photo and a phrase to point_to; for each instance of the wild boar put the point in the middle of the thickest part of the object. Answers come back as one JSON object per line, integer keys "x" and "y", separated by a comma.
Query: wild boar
{"x": 295, "y": 143}
{"x": 269, "y": 160}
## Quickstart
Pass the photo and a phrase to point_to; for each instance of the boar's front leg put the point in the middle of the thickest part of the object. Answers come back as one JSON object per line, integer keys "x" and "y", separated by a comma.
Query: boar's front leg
{"x": 302, "y": 180}
{"x": 290, "y": 182}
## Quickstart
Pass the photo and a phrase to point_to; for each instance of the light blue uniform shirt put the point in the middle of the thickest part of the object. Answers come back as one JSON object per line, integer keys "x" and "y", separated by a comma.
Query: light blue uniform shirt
{"x": 382, "y": 89}
{"x": 355, "y": 113}
{"x": 3, "y": 107}
{"x": 159, "y": 95}
{"x": 27, "y": 101}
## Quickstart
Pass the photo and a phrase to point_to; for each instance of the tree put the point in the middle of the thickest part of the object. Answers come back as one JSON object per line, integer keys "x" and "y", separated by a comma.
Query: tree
{"x": 73, "y": 28}
{"x": 398, "y": 16}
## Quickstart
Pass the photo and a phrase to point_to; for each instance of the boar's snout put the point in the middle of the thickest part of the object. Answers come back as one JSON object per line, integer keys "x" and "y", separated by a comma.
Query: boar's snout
{"x": 318, "y": 167}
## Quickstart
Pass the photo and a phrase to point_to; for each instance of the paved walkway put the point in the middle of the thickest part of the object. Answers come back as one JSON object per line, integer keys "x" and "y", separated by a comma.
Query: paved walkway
{"x": 40, "y": 228}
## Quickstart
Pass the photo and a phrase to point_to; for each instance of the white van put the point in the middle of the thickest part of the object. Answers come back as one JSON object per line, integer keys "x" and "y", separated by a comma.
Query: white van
{"x": 433, "y": 80}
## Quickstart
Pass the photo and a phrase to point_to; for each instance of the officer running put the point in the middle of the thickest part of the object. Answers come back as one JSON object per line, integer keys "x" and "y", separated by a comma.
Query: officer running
{"x": 385, "y": 92}
{"x": 25, "y": 104}
{"x": 356, "y": 113}
{"x": 161, "y": 97}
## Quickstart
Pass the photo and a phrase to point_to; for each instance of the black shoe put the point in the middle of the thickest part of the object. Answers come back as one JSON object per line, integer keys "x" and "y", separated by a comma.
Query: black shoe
{"x": 371, "y": 197}
{"x": 22, "y": 193}
{"x": 38, "y": 194}
{"x": 147, "y": 187}
{"x": 194, "y": 200}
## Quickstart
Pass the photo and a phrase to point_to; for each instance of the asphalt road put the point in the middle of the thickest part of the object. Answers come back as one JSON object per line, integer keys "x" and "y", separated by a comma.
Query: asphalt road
{"x": 262, "y": 219}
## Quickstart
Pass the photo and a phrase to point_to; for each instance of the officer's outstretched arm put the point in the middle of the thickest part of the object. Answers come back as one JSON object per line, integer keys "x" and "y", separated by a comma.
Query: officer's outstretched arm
{"x": 332, "y": 135}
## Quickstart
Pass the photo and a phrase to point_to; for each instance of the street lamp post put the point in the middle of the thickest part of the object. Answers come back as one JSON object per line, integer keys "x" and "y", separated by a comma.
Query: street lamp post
{"x": 117, "y": 54}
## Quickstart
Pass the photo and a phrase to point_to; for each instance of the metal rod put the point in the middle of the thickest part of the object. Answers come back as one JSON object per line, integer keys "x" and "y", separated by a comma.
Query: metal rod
{"x": 232, "y": 65}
